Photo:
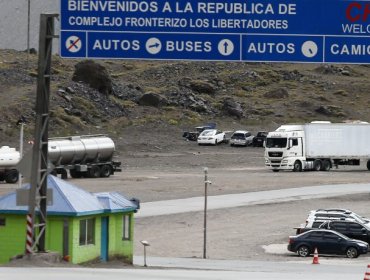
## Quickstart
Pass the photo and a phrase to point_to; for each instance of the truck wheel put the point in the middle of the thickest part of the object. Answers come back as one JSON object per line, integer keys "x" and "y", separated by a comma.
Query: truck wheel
{"x": 94, "y": 172}
{"x": 63, "y": 173}
{"x": 297, "y": 167}
{"x": 12, "y": 176}
{"x": 75, "y": 174}
{"x": 317, "y": 165}
{"x": 326, "y": 165}
{"x": 106, "y": 171}
{"x": 368, "y": 165}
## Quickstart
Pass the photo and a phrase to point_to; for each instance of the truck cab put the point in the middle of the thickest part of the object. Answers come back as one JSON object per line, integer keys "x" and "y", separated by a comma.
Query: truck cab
{"x": 284, "y": 148}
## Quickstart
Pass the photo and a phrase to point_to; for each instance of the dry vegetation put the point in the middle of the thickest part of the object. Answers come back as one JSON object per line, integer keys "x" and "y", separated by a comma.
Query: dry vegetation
{"x": 267, "y": 94}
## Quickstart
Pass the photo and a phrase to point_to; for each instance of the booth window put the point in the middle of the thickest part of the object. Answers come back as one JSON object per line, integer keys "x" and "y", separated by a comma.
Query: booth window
{"x": 87, "y": 231}
{"x": 126, "y": 227}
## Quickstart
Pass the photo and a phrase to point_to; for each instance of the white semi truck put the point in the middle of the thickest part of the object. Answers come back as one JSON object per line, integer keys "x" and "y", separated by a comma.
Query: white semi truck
{"x": 317, "y": 146}
{"x": 88, "y": 156}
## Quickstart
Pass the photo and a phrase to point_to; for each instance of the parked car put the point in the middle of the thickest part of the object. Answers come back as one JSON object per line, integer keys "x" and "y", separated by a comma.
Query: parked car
{"x": 259, "y": 139}
{"x": 335, "y": 214}
{"x": 345, "y": 211}
{"x": 241, "y": 138}
{"x": 315, "y": 224}
{"x": 351, "y": 229}
{"x": 326, "y": 242}
{"x": 317, "y": 217}
{"x": 193, "y": 135}
{"x": 211, "y": 136}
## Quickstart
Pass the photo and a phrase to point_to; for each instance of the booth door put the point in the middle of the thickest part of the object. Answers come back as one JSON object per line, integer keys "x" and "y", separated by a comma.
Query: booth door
{"x": 104, "y": 238}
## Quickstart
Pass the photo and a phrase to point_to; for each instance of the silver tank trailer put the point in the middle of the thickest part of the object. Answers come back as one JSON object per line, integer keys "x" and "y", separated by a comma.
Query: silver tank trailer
{"x": 80, "y": 149}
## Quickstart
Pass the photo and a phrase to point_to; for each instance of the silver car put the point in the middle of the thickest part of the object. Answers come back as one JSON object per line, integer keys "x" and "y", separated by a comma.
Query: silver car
{"x": 241, "y": 138}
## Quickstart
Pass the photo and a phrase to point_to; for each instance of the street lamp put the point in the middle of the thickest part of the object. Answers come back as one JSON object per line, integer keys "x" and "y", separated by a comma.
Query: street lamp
{"x": 206, "y": 182}
{"x": 145, "y": 244}
{"x": 21, "y": 122}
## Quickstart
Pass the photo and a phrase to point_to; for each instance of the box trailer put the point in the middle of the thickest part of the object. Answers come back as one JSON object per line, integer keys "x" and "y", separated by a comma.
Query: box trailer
{"x": 317, "y": 146}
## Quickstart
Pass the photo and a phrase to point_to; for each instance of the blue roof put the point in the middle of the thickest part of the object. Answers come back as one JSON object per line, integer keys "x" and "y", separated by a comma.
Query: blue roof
{"x": 70, "y": 200}
{"x": 115, "y": 202}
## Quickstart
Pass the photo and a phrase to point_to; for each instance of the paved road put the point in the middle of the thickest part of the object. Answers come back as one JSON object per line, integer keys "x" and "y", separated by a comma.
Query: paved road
{"x": 194, "y": 204}
{"x": 257, "y": 270}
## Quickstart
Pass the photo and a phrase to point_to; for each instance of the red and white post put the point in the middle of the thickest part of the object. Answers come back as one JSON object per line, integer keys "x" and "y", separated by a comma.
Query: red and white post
{"x": 29, "y": 238}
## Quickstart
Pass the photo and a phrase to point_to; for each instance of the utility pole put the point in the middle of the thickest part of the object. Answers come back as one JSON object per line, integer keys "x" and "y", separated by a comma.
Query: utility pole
{"x": 39, "y": 168}
{"x": 206, "y": 182}
{"x": 21, "y": 122}
{"x": 28, "y": 30}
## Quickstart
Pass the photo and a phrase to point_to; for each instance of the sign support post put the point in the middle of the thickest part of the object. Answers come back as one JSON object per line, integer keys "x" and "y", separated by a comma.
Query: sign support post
{"x": 38, "y": 195}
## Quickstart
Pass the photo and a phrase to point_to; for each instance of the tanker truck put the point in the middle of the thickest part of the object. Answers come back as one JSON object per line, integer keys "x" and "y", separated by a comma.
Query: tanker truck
{"x": 9, "y": 158}
{"x": 89, "y": 156}
{"x": 317, "y": 146}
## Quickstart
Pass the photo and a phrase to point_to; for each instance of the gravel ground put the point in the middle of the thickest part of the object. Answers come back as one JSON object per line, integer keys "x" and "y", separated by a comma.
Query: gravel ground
{"x": 153, "y": 174}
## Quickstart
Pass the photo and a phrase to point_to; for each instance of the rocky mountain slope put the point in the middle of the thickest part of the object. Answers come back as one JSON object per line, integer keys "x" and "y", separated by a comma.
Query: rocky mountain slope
{"x": 109, "y": 96}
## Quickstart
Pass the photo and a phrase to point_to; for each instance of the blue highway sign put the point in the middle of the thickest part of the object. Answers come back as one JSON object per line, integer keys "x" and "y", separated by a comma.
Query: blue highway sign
{"x": 310, "y": 31}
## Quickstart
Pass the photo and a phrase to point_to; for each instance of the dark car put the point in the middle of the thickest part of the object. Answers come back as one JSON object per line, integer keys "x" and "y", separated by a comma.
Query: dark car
{"x": 326, "y": 242}
{"x": 259, "y": 139}
{"x": 351, "y": 229}
{"x": 193, "y": 135}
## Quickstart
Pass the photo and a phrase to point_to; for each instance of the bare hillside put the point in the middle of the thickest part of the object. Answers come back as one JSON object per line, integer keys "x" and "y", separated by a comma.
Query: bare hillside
{"x": 173, "y": 96}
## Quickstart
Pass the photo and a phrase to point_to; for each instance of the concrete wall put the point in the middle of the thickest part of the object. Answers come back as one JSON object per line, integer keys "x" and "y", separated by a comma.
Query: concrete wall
{"x": 118, "y": 246}
{"x": 12, "y": 237}
{"x": 14, "y": 18}
{"x": 81, "y": 254}
{"x": 54, "y": 234}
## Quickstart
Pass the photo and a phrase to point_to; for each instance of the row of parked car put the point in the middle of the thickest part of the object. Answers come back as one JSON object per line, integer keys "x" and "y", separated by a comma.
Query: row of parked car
{"x": 208, "y": 134}
{"x": 332, "y": 231}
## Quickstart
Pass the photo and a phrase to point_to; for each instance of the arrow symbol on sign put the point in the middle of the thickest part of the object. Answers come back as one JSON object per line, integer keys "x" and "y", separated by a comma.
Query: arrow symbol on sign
{"x": 156, "y": 45}
{"x": 225, "y": 46}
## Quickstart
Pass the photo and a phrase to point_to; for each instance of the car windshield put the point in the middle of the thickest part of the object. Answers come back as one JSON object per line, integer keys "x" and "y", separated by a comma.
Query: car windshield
{"x": 261, "y": 134}
{"x": 238, "y": 136}
{"x": 208, "y": 133}
{"x": 276, "y": 142}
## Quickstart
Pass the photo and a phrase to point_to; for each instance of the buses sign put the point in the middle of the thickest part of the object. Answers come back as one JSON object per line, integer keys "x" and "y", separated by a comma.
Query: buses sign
{"x": 333, "y": 31}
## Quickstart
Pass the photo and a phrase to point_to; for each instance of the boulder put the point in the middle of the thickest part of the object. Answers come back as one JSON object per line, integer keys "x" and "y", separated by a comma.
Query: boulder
{"x": 330, "y": 110}
{"x": 232, "y": 108}
{"x": 152, "y": 99}
{"x": 93, "y": 74}
{"x": 202, "y": 87}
